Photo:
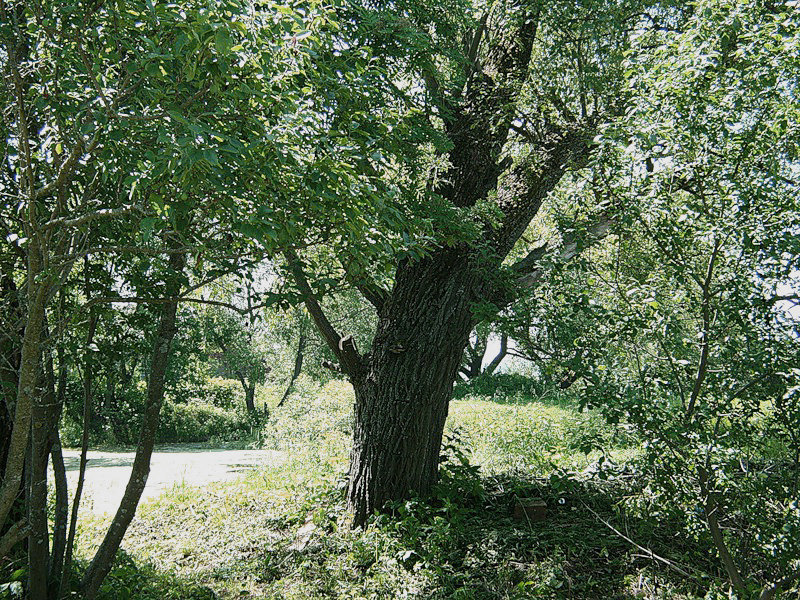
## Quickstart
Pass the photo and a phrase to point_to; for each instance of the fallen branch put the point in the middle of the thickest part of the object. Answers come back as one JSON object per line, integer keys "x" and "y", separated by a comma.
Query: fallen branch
{"x": 648, "y": 553}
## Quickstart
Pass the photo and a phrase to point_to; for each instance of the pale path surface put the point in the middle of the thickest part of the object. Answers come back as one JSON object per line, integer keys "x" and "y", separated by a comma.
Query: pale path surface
{"x": 191, "y": 464}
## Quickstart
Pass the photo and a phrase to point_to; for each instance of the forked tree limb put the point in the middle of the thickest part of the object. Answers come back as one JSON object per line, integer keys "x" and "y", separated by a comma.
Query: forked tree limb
{"x": 343, "y": 347}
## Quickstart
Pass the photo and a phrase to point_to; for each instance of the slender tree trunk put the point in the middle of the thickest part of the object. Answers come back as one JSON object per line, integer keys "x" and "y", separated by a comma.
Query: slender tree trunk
{"x": 250, "y": 396}
{"x": 298, "y": 360}
{"x": 249, "y": 392}
{"x": 501, "y": 354}
{"x": 61, "y": 512}
{"x": 61, "y": 518}
{"x": 103, "y": 560}
{"x": 27, "y": 389}
{"x": 10, "y": 358}
{"x": 402, "y": 400}
{"x": 711, "y": 511}
{"x": 88, "y": 373}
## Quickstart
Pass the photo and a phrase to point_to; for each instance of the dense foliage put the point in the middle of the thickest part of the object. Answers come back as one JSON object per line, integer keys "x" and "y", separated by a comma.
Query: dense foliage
{"x": 191, "y": 192}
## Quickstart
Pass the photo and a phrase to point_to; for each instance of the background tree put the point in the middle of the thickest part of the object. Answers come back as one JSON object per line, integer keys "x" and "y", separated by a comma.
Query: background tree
{"x": 689, "y": 333}
{"x": 115, "y": 149}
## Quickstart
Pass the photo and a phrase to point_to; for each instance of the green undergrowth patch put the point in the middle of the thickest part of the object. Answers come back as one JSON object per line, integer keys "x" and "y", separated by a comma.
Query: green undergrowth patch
{"x": 509, "y": 423}
{"x": 278, "y": 534}
{"x": 504, "y": 424}
{"x": 283, "y": 532}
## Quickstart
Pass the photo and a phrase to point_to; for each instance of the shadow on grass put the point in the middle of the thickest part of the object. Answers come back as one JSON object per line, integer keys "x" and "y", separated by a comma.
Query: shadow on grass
{"x": 72, "y": 463}
{"x": 129, "y": 580}
{"x": 462, "y": 544}
{"x": 123, "y": 456}
{"x": 465, "y": 544}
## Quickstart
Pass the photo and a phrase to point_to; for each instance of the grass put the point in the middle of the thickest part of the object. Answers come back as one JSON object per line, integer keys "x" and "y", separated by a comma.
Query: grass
{"x": 281, "y": 533}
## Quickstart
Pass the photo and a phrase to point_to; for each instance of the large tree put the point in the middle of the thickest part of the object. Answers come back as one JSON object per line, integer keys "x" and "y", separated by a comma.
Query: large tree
{"x": 510, "y": 96}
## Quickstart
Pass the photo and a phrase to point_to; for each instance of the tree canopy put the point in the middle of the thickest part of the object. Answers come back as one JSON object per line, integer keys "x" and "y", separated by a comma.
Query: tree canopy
{"x": 609, "y": 186}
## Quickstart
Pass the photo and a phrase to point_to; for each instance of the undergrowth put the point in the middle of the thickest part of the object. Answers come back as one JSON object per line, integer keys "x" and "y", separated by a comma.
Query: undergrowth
{"x": 283, "y": 532}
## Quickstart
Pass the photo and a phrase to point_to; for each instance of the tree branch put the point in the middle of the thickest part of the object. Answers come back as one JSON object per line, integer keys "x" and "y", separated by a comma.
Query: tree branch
{"x": 67, "y": 169}
{"x": 531, "y": 269}
{"x": 373, "y": 293}
{"x": 89, "y": 217}
{"x": 501, "y": 354}
{"x": 650, "y": 554}
{"x": 13, "y": 536}
{"x": 525, "y": 187}
{"x": 343, "y": 347}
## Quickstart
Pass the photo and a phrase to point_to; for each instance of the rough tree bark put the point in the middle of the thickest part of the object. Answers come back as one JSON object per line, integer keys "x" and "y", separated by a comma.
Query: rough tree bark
{"x": 10, "y": 356}
{"x": 38, "y": 292}
{"x": 403, "y": 396}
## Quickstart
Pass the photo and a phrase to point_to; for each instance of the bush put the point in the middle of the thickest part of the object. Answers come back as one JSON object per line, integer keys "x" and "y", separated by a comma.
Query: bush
{"x": 501, "y": 387}
{"x": 224, "y": 393}
{"x": 201, "y": 422}
{"x": 213, "y": 411}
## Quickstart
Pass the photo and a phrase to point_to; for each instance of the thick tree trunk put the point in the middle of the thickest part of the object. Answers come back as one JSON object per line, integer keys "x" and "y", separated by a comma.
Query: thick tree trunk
{"x": 404, "y": 386}
{"x": 44, "y": 434}
{"x": 104, "y": 557}
{"x": 403, "y": 398}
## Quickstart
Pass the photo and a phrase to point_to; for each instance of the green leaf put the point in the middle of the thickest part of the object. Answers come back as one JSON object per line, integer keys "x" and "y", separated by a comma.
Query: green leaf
{"x": 146, "y": 226}
{"x": 222, "y": 39}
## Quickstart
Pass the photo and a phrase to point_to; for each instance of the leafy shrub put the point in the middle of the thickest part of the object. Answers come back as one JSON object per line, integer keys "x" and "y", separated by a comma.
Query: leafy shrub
{"x": 201, "y": 422}
{"x": 535, "y": 435}
{"x": 503, "y": 386}
{"x": 224, "y": 393}
{"x": 129, "y": 581}
{"x": 216, "y": 391}
{"x": 213, "y": 411}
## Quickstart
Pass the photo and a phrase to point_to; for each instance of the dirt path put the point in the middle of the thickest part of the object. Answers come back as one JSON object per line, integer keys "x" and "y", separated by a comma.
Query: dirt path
{"x": 193, "y": 464}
